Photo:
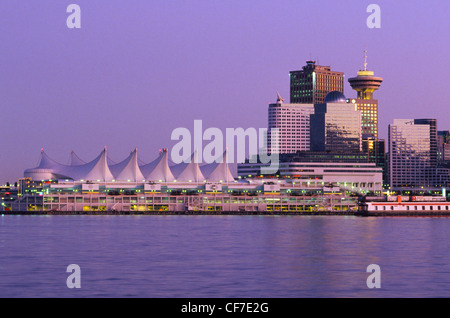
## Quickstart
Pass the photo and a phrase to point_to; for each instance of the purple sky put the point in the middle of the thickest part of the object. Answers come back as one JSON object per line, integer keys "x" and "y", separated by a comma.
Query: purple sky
{"x": 138, "y": 69}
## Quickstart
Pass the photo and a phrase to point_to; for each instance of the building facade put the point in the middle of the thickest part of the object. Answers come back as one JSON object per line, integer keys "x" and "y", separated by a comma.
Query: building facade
{"x": 443, "y": 140}
{"x": 413, "y": 156}
{"x": 291, "y": 122}
{"x": 335, "y": 125}
{"x": 376, "y": 151}
{"x": 346, "y": 173}
{"x": 313, "y": 82}
{"x": 168, "y": 197}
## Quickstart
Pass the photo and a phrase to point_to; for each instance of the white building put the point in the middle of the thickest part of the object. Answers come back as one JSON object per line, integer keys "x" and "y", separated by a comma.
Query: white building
{"x": 292, "y": 122}
{"x": 347, "y": 177}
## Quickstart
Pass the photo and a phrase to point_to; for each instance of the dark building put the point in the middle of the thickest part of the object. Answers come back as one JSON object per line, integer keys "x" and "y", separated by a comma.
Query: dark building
{"x": 326, "y": 157}
{"x": 443, "y": 140}
{"x": 311, "y": 84}
{"x": 376, "y": 152}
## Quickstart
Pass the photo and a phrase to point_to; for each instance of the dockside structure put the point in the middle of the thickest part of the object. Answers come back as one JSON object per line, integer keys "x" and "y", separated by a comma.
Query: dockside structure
{"x": 99, "y": 186}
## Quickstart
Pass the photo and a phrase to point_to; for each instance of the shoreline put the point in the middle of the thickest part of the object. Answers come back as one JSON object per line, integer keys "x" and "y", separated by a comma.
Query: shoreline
{"x": 238, "y": 213}
{"x": 196, "y": 213}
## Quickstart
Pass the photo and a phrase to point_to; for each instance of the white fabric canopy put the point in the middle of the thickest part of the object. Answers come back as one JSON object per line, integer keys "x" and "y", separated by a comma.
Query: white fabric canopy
{"x": 96, "y": 170}
{"x": 218, "y": 170}
{"x": 75, "y": 160}
{"x": 191, "y": 172}
{"x": 158, "y": 170}
{"x": 131, "y": 169}
{"x": 128, "y": 169}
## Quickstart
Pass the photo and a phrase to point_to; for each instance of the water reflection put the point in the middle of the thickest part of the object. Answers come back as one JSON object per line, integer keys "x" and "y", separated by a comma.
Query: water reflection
{"x": 223, "y": 256}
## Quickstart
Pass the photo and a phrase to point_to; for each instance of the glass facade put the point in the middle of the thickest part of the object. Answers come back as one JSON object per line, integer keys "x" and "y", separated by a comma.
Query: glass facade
{"x": 444, "y": 146}
{"x": 336, "y": 127}
{"x": 413, "y": 155}
{"x": 376, "y": 151}
{"x": 369, "y": 115}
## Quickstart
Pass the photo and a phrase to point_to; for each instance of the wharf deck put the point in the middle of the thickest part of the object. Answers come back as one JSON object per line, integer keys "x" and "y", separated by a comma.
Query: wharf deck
{"x": 267, "y": 213}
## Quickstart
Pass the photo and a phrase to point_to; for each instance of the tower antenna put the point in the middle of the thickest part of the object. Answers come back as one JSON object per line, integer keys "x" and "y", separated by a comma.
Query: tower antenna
{"x": 365, "y": 59}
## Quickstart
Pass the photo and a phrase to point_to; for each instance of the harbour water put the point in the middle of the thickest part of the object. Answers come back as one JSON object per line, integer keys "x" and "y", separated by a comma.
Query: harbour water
{"x": 224, "y": 256}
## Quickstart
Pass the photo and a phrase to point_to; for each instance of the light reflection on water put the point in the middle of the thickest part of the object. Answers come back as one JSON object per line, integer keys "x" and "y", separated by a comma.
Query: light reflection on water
{"x": 223, "y": 256}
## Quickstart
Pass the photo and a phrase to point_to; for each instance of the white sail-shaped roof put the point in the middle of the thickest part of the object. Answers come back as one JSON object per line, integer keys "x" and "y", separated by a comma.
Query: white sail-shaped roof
{"x": 110, "y": 162}
{"x": 140, "y": 162}
{"x": 75, "y": 160}
{"x": 128, "y": 169}
{"x": 178, "y": 168}
{"x": 158, "y": 170}
{"x": 218, "y": 171}
{"x": 192, "y": 172}
{"x": 47, "y": 169}
{"x": 99, "y": 169}
{"x": 47, "y": 163}
{"x": 96, "y": 170}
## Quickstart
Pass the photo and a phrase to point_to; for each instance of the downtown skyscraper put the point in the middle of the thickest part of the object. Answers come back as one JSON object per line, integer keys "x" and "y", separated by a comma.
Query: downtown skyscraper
{"x": 413, "y": 155}
{"x": 313, "y": 82}
{"x": 335, "y": 125}
{"x": 293, "y": 124}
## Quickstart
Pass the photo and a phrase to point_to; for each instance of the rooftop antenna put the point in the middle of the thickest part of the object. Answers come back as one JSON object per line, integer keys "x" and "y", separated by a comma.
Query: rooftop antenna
{"x": 279, "y": 98}
{"x": 365, "y": 59}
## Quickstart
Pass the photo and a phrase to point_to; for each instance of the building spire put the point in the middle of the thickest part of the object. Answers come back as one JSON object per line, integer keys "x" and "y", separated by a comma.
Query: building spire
{"x": 365, "y": 59}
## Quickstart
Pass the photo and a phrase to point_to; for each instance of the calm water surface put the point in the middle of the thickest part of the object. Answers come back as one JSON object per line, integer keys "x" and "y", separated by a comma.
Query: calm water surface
{"x": 223, "y": 256}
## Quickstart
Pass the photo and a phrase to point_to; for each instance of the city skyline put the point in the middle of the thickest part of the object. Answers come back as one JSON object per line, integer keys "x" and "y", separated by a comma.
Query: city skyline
{"x": 105, "y": 85}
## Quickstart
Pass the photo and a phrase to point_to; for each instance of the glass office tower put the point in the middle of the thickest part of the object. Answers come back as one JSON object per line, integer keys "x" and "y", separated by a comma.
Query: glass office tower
{"x": 376, "y": 151}
{"x": 444, "y": 146}
{"x": 335, "y": 125}
{"x": 413, "y": 154}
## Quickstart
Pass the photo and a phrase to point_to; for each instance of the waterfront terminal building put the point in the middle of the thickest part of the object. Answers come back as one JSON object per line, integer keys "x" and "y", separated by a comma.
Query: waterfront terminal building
{"x": 162, "y": 187}
{"x": 348, "y": 173}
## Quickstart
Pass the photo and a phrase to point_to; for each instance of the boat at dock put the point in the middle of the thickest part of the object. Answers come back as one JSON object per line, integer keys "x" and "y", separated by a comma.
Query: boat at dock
{"x": 405, "y": 206}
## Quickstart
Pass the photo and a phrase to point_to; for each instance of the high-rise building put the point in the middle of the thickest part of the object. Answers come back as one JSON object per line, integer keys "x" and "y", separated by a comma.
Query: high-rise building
{"x": 443, "y": 146}
{"x": 292, "y": 124}
{"x": 365, "y": 83}
{"x": 413, "y": 154}
{"x": 335, "y": 125}
{"x": 376, "y": 152}
{"x": 311, "y": 84}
